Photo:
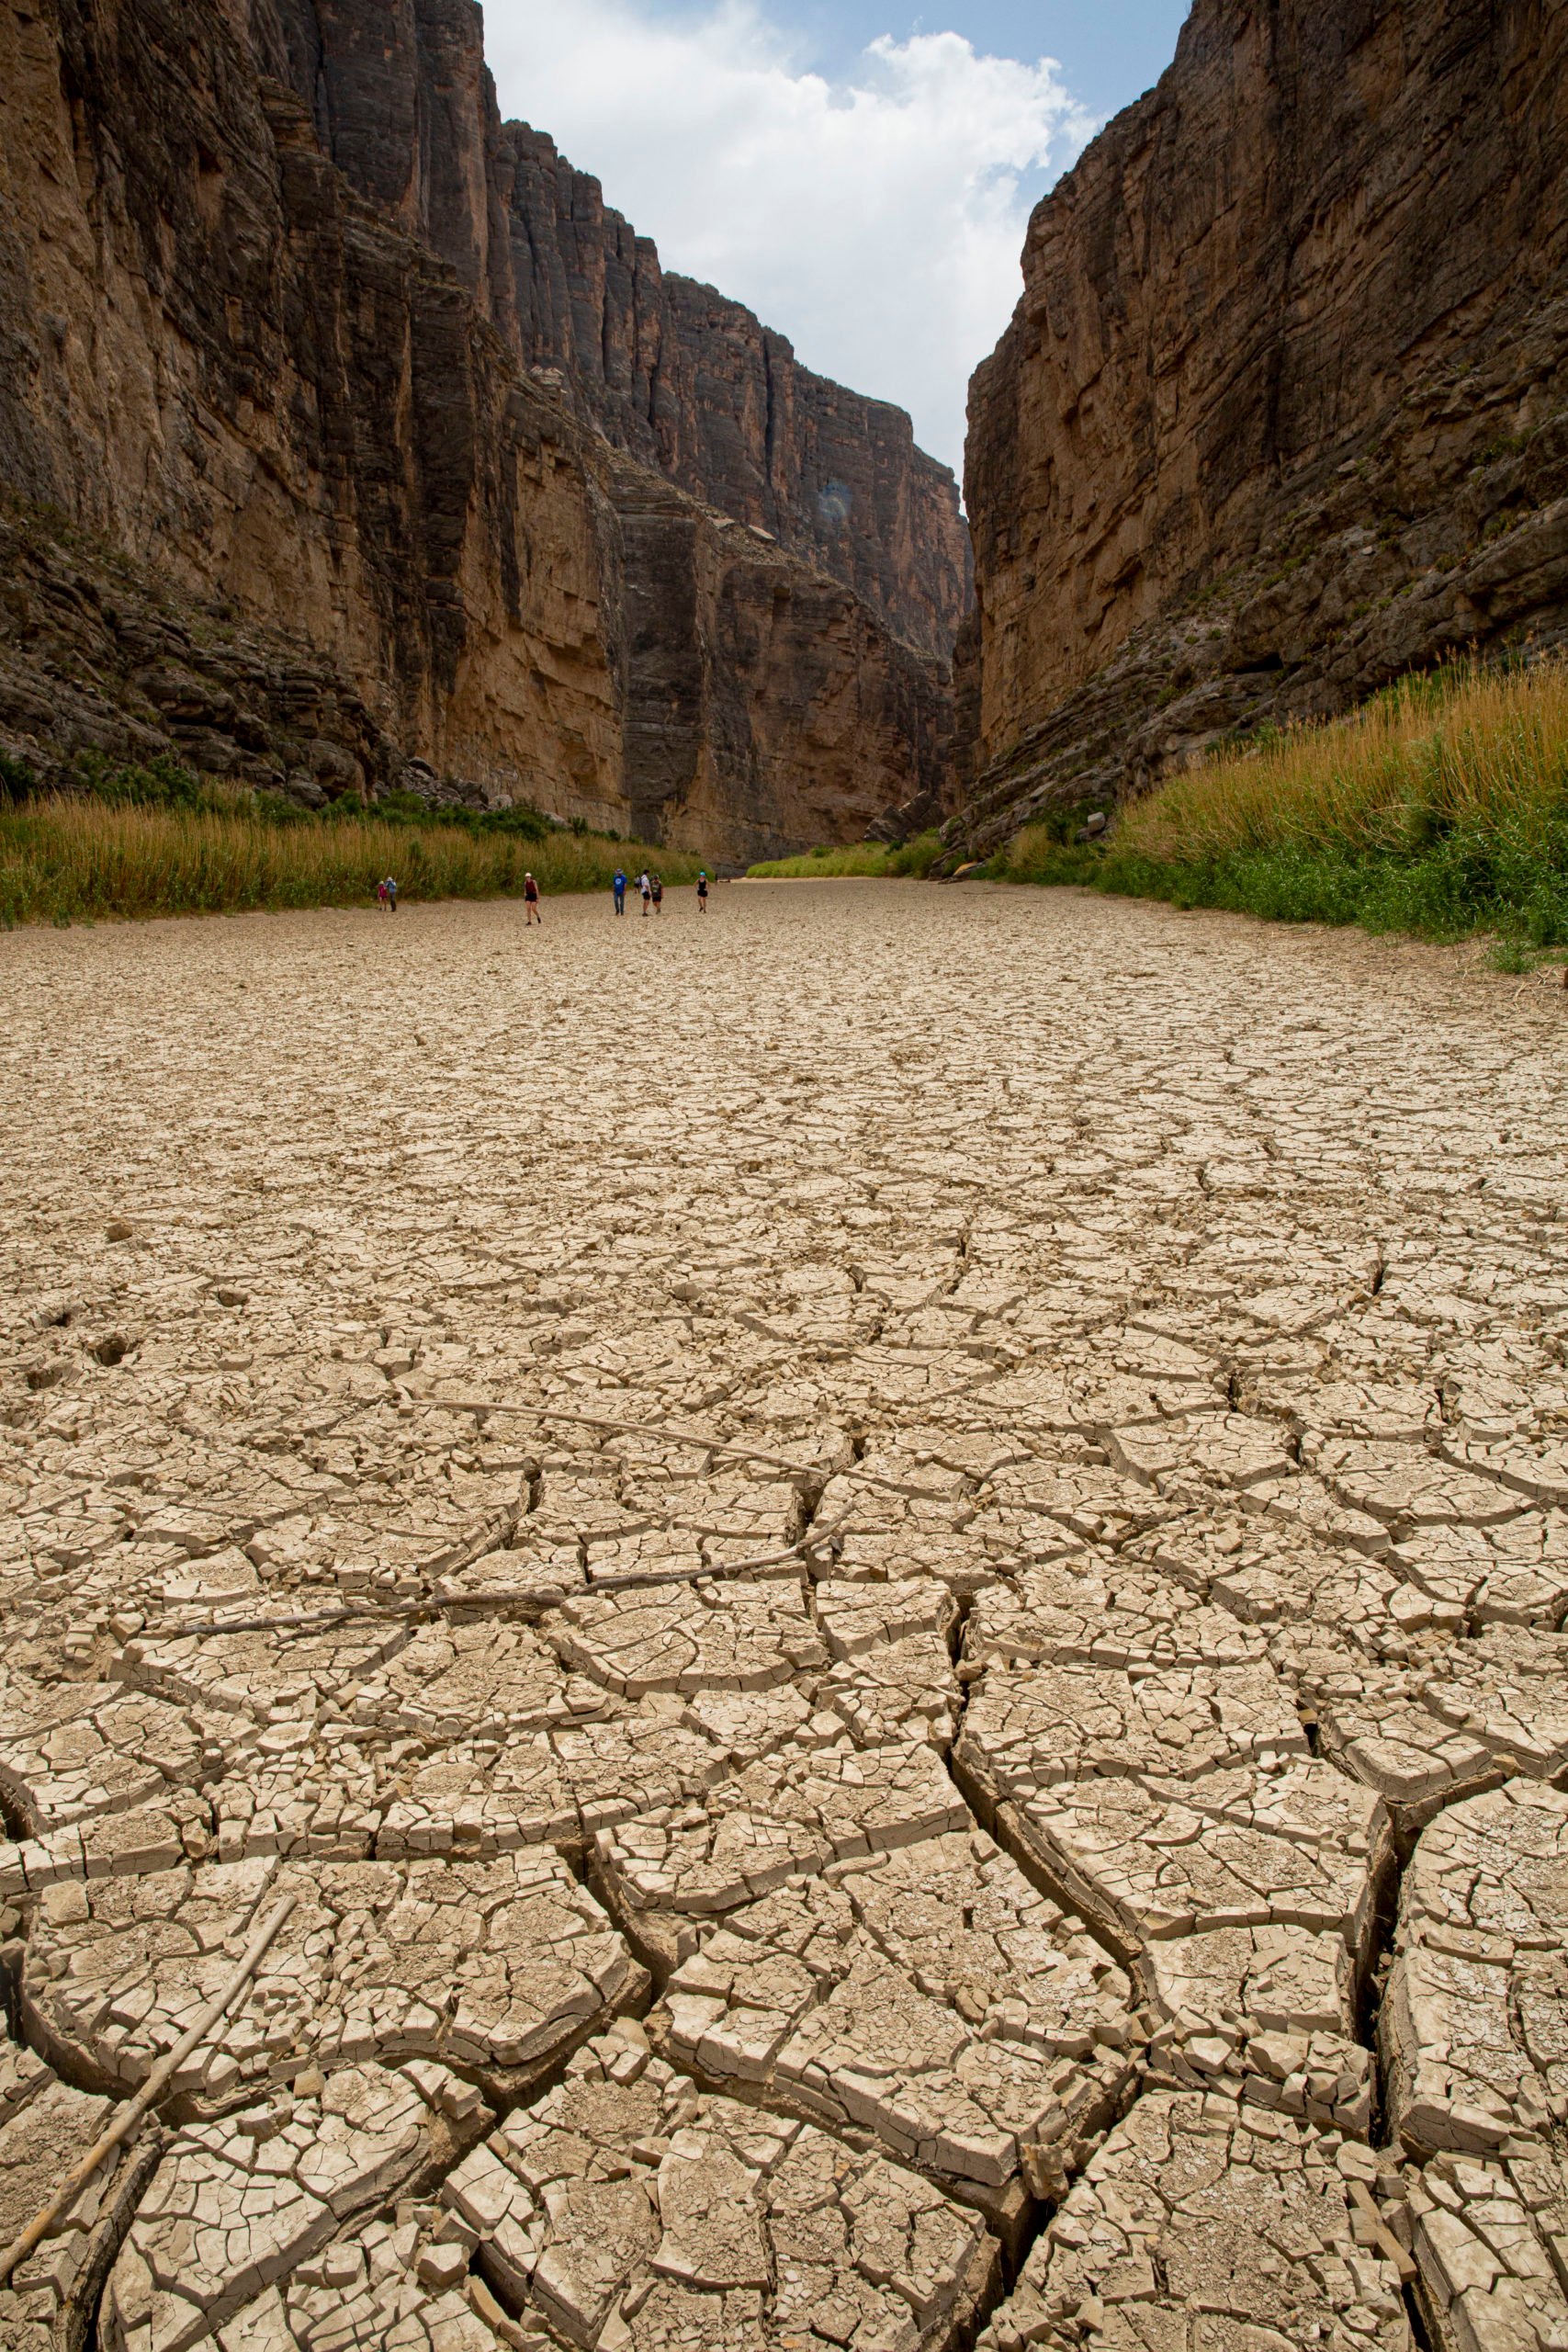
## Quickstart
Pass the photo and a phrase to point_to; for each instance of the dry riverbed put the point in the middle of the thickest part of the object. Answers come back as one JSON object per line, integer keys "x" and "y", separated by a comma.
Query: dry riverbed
{"x": 885, "y": 1575}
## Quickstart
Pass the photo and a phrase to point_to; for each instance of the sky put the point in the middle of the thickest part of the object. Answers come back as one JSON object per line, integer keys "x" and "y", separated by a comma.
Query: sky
{"x": 859, "y": 172}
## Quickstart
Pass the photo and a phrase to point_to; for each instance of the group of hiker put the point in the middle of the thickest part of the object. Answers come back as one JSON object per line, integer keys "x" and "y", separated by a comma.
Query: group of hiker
{"x": 650, "y": 890}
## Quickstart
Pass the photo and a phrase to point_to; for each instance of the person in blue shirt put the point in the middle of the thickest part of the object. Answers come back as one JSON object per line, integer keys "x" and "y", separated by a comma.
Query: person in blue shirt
{"x": 620, "y": 888}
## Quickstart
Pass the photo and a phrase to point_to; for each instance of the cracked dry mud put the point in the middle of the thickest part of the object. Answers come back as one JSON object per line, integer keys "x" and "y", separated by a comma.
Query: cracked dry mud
{"x": 889, "y": 1577}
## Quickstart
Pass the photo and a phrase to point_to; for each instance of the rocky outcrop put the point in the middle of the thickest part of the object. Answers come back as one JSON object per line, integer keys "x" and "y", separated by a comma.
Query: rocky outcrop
{"x": 691, "y": 384}
{"x": 286, "y": 500}
{"x": 1279, "y": 415}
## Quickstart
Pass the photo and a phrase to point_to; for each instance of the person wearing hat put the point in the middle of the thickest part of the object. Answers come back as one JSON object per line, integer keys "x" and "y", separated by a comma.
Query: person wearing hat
{"x": 531, "y": 903}
{"x": 703, "y": 892}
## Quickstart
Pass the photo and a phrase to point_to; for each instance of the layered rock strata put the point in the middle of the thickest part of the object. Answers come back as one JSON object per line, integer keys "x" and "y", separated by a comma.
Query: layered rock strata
{"x": 1279, "y": 416}
{"x": 690, "y": 384}
{"x": 326, "y": 532}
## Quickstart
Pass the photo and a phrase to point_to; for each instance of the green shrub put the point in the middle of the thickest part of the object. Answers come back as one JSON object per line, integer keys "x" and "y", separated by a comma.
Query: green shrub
{"x": 862, "y": 860}
{"x": 18, "y": 781}
{"x": 517, "y": 823}
{"x": 163, "y": 783}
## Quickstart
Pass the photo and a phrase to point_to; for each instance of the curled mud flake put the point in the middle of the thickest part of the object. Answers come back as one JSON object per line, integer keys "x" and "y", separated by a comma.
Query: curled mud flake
{"x": 1487, "y": 2235}
{"x": 1470, "y": 2024}
{"x": 1203, "y": 2222}
{"x": 485, "y": 1797}
{"x": 1091, "y": 1610}
{"x": 148, "y": 1838}
{"x": 1266, "y": 2010}
{"x": 238, "y": 2204}
{"x": 471, "y": 1681}
{"x": 272, "y": 1678}
{"x": 768, "y": 1824}
{"x": 931, "y": 1996}
{"x": 496, "y": 1967}
{"x": 624, "y": 2207}
{"x": 681, "y": 1637}
{"x": 70, "y": 1751}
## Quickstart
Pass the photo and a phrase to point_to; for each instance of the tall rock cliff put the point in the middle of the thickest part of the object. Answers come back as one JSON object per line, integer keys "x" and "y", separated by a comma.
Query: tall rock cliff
{"x": 282, "y": 493}
{"x": 696, "y": 386}
{"x": 677, "y": 377}
{"x": 1282, "y": 412}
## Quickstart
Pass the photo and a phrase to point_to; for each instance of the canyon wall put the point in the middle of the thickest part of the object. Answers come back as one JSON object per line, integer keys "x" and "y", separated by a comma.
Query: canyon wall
{"x": 227, "y": 371}
{"x": 282, "y": 495}
{"x": 1280, "y": 414}
{"x": 698, "y": 387}
{"x": 691, "y": 384}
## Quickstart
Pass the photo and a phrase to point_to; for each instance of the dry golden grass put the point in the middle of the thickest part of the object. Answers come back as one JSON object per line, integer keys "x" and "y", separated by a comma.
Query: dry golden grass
{"x": 1465, "y": 749}
{"x": 1440, "y": 809}
{"x": 75, "y": 860}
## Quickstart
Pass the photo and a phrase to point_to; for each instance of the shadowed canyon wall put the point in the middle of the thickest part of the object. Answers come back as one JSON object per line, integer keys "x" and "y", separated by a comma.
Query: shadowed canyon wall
{"x": 698, "y": 387}
{"x": 1282, "y": 411}
{"x": 691, "y": 384}
{"x": 287, "y": 497}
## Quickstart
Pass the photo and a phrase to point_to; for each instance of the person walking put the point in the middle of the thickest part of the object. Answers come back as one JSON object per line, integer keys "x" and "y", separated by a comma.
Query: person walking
{"x": 619, "y": 887}
{"x": 646, "y": 890}
{"x": 391, "y": 890}
{"x": 658, "y": 896}
{"x": 703, "y": 892}
{"x": 381, "y": 894}
{"x": 531, "y": 913}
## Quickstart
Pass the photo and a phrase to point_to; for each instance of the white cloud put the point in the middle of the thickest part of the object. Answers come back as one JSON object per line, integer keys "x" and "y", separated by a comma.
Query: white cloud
{"x": 877, "y": 222}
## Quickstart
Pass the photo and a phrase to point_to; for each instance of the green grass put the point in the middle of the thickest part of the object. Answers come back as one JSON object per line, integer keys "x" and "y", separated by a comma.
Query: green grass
{"x": 68, "y": 860}
{"x": 872, "y": 860}
{"x": 1441, "y": 809}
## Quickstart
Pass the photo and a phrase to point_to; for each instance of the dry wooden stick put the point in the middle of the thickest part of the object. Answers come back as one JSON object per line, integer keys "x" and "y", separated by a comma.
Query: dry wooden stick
{"x": 151, "y": 2090}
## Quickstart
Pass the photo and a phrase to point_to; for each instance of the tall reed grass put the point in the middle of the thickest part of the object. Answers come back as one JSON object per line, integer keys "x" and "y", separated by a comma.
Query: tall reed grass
{"x": 1442, "y": 808}
{"x": 78, "y": 860}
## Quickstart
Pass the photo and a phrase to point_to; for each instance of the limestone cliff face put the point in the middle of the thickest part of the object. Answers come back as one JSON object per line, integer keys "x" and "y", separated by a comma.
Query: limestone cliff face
{"x": 763, "y": 697}
{"x": 1282, "y": 411}
{"x": 226, "y": 367}
{"x": 698, "y": 387}
{"x": 285, "y": 499}
{"x": 676, "y": 376}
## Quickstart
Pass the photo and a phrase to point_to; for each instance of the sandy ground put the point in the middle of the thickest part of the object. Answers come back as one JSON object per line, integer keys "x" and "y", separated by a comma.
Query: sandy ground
{"x": 937, "y": 1511}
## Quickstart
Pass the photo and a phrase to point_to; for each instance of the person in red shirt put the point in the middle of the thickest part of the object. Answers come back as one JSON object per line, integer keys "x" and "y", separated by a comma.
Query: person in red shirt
{"x": 531, "y": 903}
